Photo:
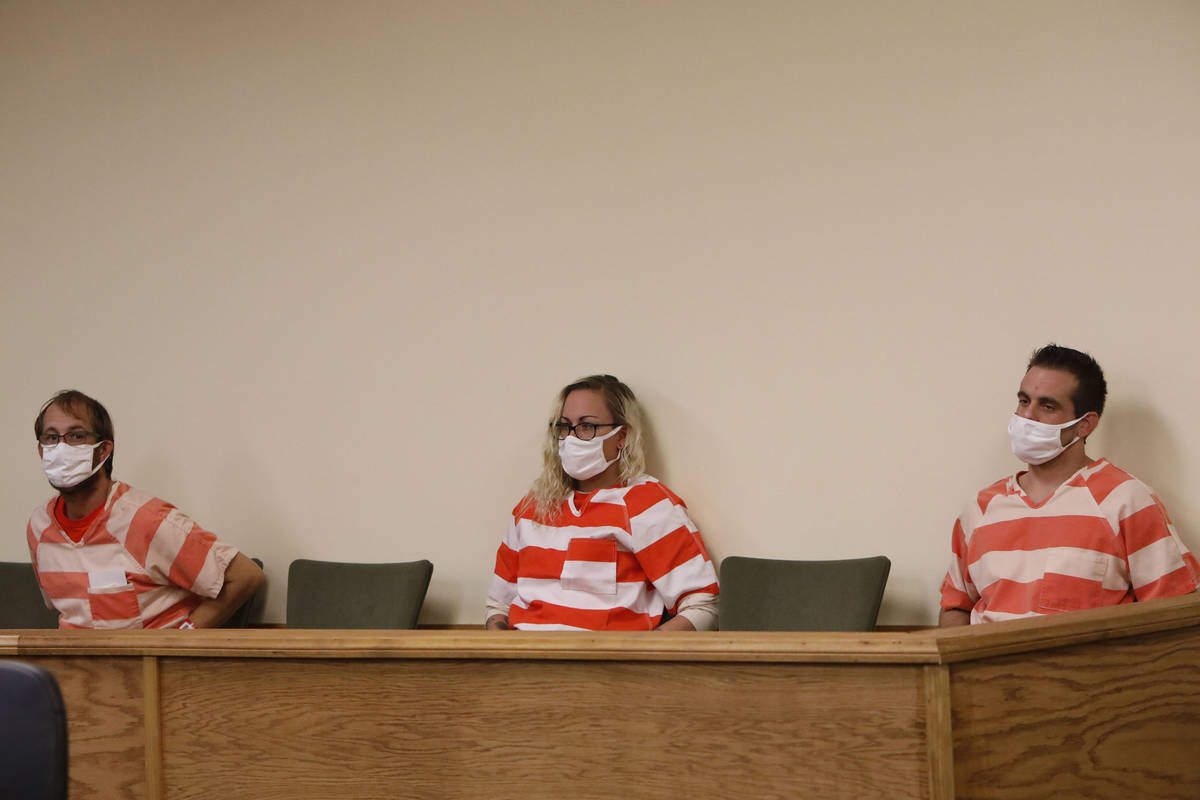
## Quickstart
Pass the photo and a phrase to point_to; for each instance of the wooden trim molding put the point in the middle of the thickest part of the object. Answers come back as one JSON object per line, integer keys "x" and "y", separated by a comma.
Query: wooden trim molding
{"x": 939, "y": 738}
{"x": 974, "y": 642}
{"x": 770, "y": 647}
{"x": 152, "y": 705}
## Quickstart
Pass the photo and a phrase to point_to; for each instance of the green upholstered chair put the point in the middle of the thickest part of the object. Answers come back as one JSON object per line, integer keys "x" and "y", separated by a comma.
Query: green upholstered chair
{"x": 21, "y": 603}
{"x": 764, "y": 594}
{"x": 241, "y": 617}
{"x": 329, "y": 594}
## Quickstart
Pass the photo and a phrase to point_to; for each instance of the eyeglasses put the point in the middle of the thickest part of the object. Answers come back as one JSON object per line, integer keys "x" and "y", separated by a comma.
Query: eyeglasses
{"x": 70, "y": 437}
{"x": 582, "y": 430}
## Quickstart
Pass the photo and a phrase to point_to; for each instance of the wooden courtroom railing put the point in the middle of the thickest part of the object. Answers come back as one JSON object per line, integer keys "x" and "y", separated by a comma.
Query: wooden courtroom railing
{"x": 1097, "y": 704}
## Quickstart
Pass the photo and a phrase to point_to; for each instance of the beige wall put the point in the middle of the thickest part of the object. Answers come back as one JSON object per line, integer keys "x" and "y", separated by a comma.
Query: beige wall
{"x": 327, "y": 263}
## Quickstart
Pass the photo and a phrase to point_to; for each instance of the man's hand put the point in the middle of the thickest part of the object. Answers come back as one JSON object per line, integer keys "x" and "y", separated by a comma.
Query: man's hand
{"x": 242, "y": 579}
{"x": 497, "y": 622}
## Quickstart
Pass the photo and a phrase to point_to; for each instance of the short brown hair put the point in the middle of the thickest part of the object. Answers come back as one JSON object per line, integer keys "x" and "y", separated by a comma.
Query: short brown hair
{"x": 78, "y": 404}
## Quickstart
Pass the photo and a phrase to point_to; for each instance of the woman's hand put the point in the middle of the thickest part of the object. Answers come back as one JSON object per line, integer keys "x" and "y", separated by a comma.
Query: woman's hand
{"x": 497, "y": 622}
{"x": 677, "y": 624}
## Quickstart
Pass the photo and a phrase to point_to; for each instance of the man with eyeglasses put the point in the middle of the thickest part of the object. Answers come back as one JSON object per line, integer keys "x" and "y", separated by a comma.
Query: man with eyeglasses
{"x": 110, "y": 556}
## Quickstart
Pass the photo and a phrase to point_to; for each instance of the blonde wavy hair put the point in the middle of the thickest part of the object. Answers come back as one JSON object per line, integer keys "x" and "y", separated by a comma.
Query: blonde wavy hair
{"x": 554, "y": 485}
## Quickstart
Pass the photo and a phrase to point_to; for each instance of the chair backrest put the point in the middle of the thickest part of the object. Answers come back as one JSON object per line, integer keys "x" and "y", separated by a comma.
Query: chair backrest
{"x": 765, "y": 594}
{"x": 21, "y": 603}
{"x": 241, "y": 617}
{"x": 33, "y": 734}
{"x": 329, "y": 594}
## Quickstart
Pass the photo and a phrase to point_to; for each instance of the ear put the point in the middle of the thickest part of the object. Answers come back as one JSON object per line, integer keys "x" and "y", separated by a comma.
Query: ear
{"x": 621, "y": 438}
{"x": 103, "y": 452}
{"x": 1087, "y": 425}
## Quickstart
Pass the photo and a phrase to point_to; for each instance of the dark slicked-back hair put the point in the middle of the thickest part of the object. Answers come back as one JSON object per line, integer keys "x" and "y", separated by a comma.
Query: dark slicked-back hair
{"x": 1092, "y": 390}
{"x": 78, "y": 404}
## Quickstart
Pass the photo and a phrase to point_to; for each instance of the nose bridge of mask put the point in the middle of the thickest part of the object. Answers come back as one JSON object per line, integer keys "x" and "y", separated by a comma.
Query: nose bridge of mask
{"x": 61, "y": 450}
{"x": 1045, "y": 428}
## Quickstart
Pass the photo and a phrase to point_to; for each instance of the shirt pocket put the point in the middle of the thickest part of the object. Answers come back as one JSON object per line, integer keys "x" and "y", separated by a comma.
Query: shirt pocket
{"x": 1072, "y": 581}
{"x": 591, "y": 566}
{"x": 114, "y": 604}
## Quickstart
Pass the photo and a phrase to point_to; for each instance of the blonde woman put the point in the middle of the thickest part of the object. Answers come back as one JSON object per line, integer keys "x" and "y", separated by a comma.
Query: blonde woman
{"x": 597, "y": 544}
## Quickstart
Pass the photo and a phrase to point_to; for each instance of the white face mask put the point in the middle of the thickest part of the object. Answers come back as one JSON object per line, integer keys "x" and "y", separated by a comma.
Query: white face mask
{"x": 1037, "y": 442}
{"x": 68, "y": 465}
{"x": 582, "y": 460}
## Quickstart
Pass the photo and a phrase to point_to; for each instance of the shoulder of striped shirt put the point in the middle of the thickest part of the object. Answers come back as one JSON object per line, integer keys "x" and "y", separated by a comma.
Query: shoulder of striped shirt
{"x": 991, "y": 491}
{"x": 648, "y": 492}
{"x": 1101, "y": 464}
{"x": 617, "y": 493}
{"x": 1104, "y": 467}
{"x": 1003, "y": 486}
{"x": 131, "y": 495}
{"x": 642, "y": 483}
{"x": 40, "y": 519}
{"x": 43, "y": 515}
{"x": 1114, "y": 482}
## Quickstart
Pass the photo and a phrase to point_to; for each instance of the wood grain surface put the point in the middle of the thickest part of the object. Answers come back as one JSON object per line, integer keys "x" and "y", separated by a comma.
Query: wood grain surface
{"x": 1096, "y": 704}
{"x": 542, "y": 729}
{"x": 103, "y": 698}
{"x": 1119, "y": 719}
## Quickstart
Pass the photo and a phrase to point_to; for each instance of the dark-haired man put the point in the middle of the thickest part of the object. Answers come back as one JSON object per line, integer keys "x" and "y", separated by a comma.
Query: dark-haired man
{"x": 1071, "y": 532}
{"x": 108, "y": 555}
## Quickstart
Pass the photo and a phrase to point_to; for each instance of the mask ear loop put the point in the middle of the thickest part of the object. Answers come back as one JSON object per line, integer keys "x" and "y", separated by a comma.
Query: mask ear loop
{"x": 1077, "y": 424}
{"x": 1077, "y": 438}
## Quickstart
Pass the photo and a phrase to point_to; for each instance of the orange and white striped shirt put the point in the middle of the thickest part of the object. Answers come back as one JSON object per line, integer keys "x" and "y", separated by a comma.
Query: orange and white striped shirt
{"x": 613, "y": 560}
{"x": 1103, "y": 538}
{"x": 141, "y": 564}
